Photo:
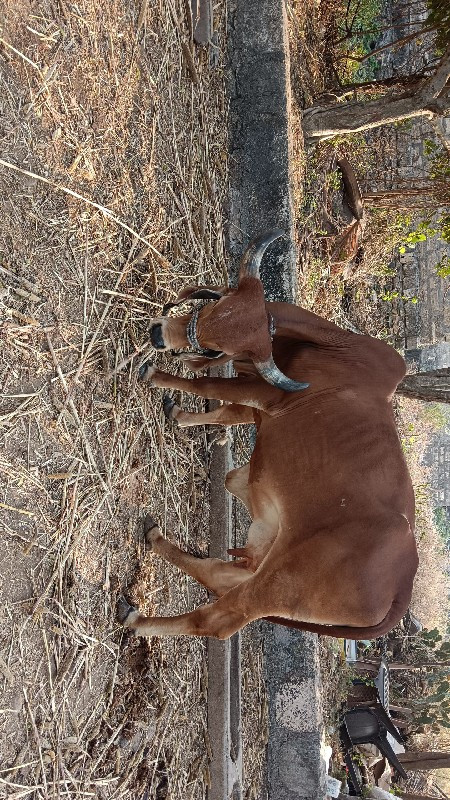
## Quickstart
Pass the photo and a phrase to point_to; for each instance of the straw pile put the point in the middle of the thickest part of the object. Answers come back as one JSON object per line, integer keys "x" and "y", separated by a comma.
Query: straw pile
{"x": 113, "y": 106}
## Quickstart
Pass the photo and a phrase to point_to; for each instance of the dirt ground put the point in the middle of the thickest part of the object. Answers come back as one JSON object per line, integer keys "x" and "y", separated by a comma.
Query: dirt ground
{"x": 111, "y": 102}
{"x": 113, "y": 187}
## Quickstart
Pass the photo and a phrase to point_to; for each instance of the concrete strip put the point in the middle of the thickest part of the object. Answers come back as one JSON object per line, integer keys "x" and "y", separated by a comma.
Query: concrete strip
{"x": 260, "y": 199}
{"x": 295, "y": 768}
{"x": 259, "y": 137}
{"x": 224, "y": 675}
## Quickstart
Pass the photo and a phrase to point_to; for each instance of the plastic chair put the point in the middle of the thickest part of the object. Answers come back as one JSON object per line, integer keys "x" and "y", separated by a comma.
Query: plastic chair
{"x": 369, "y": 725}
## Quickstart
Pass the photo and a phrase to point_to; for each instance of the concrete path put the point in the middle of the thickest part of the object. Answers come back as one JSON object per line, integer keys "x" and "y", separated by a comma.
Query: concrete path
{"x": 224, "y": 670}
{"x": 259, "y": 96}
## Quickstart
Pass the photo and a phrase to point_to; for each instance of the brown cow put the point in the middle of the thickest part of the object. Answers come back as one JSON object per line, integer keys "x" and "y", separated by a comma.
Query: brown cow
{"x": 331, "y": 546}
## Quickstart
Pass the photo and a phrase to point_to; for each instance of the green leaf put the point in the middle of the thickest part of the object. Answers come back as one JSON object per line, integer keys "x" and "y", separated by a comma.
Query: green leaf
{"x": 426, "y": 720}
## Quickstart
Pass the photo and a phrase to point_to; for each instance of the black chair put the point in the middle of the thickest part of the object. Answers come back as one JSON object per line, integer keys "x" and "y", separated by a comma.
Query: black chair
{"x": 369, "y": 725}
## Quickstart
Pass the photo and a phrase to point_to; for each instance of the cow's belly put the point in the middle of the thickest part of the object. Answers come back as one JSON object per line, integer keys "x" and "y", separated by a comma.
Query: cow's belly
{"x": 343, "y": 573}
{"x": 329, "y": 463}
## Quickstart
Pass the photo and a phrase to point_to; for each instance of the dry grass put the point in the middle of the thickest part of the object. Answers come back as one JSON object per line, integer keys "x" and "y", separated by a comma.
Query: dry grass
{"x": 349, "y": 291}
{"x": 255, "y": 712}
{"x": 99, "y": 99}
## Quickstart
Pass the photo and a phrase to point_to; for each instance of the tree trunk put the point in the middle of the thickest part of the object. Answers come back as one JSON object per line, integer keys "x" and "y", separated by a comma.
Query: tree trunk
{"x": 431, "y": 99}
{"x": 344, "y": 118}
{"x": 424, "y": 761}
{"x": 432, "y": 386}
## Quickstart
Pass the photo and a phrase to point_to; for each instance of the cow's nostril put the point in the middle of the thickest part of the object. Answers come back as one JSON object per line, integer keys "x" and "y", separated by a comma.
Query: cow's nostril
{"x": 156, "y": 337}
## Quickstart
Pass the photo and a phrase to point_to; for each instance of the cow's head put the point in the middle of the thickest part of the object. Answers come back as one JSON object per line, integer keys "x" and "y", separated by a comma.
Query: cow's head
{"x": 229, "y": 322}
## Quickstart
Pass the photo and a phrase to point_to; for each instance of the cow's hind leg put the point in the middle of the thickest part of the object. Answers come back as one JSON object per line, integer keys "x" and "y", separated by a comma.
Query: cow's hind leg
{"x": 229, "y": 414}
{"x": 219, "y": 620}
{"x": 218, "y": 576}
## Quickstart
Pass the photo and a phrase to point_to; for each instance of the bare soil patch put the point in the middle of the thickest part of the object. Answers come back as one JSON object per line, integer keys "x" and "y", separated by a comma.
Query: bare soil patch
{"x": 111, "y": 102}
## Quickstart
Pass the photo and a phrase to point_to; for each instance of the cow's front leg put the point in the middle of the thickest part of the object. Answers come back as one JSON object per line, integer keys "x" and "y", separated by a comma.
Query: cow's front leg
{"x": 216, "y": 575}
{"x": 254, "y": 392}
{"x": 229, "y": 414}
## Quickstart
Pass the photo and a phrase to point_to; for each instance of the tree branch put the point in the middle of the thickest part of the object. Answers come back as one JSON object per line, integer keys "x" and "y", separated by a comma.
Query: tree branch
{"x": 404, "y": 40}
{"x": 351, "y": 34}
{"x": 433, "y": 87}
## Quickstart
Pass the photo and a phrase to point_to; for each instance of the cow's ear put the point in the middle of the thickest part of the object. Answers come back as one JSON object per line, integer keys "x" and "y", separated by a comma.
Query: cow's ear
{"x": 206, "y": 294}
{"x": 194, "y": 293}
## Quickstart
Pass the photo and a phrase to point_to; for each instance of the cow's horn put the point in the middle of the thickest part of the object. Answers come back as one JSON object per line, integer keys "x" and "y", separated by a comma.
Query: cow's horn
{"x": 251, "y": 259}
{"x": 269, "y": 370}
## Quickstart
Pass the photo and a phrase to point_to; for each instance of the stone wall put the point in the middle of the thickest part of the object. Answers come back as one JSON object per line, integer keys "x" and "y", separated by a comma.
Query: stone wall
{"x": 421, "y": 314}
{"x": 437, "y": 458}
{"x": 401, "y": 149}
{"x": 421, "y": 329}
{"x": 429, "y": 358}
{"x": 437, "y": 453}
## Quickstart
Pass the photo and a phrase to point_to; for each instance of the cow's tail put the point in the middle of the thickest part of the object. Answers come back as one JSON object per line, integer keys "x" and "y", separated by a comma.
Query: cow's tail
{"x": 397, "y": 610}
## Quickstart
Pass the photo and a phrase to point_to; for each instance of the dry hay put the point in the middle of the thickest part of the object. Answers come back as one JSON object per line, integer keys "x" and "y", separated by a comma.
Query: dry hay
{"x": 110, "y": 102}
{"x": 334, "y": 280}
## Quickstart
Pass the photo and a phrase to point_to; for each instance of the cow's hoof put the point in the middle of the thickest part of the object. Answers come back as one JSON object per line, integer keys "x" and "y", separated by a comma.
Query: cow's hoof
{"x": 124, "y": 612}
{"x": 169, "y": 407}
{"x": 151, "y": 531}
{"x": 146, "y": 371}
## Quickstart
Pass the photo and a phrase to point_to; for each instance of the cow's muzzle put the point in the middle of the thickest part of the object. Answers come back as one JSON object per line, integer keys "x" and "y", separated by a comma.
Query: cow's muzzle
{"x": 156, "y": 337}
